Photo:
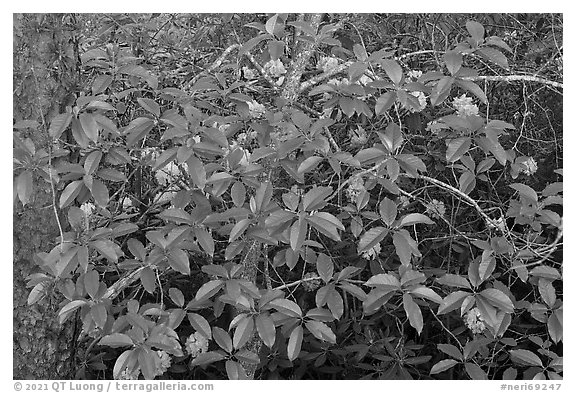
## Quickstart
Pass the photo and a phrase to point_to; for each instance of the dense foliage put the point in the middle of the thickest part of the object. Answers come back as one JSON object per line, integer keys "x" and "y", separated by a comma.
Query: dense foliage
{"x": 307, "y": 196}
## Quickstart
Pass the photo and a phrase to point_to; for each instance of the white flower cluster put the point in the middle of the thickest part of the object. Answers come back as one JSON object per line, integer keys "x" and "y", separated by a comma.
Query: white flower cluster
{"x": 164, "y": 362}
{"x": 196, "y": 344}
{"x": 364, "y": 80}
{"x": 372, "y": 253}
{"x": 87, "y": 208}
{"x": 464, "y": 106}
{"x": 414, "y": 74}
{"x": 243, "y": 137}
{"x": 275, "y": 68}
{"x": 282, "y": 135}
{"x": 436, "y": 208}
{"x": 327, "y": 64}
{"x": 151, "y": 153}
{"x": 126, "y": 203}
{"x": 249, "y": 73}
{"x": 474, "y": 321}
{"x": 358, "y": 137}
{"x": 125, "y": 375}
{"x": 339, "y": 82}
{"x": 256, "y": 110}
{"x": 355, "y": 188}
{"x": 421, "y": 101}
{"x": 530, "y": 166}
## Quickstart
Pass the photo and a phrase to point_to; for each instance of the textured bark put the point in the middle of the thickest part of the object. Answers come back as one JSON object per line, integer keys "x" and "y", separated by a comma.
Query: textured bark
{"x": 303, "y": 53}
{"x": 45, "y": 75}
{"x": 290, "y": 92}
{"x": 250, "y": 273}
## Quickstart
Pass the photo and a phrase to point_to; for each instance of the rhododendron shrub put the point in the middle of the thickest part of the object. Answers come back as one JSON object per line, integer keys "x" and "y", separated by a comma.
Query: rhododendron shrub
{"x": 274, "y": 215}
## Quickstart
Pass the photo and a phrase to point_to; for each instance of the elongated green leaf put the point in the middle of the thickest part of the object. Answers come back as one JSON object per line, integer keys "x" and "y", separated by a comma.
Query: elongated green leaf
{"x": 495, "y": 56}
{"x": 415, "y": 218}
{"x": 457, "y": 148}
{"x": 383, "y": 280}
{"x": 207, "y": 358}
{"x": 70, "y": 192}
{"x": 453, "y": 61}
{"x": 371, "y": 238}
{"x": 116, "y": 340}
{"x": 393, "y": 70}
{"x": 287, "y": 307}
{"x": 298, "y": 234}
{"x": 251, "y": 43}
{"x": 205, "y": 240}
{"x": 150, "y": 105}
{"x": 335, "y": 304}
{"x": 384, "y": 102}
{"x": 209, "y": 289}
{"x": 473, "y": 88}
{"x": 266, "y": 329}
{"x": 454, "y": 280}
{"x": 235, "y": 371}
{"x": 67, "y": 310}
{"x": 555, "y": 325}
{"x": 402, "y": 247}
{"x": 99, "y": 314}
{"x": 25, "y": 186}
{"x": 388, "y": 211}
{"x": 239, "y": 229}
{"x": 59, "y": 124}
{"x": 325, "y": 267}
{"x": 100, "y": 193}
{"x": 89, "y": 126}
{"x": 138, "y": 129}
{"x": 526, "y": 191}
{"x": 476, "y": 30}
{"x": 295, "y": 342}
{"x": 314, "y": 199}
{"x": 498, "y": 299}
{"x": 475, "y": 372}
{"x": 452, "y": 301}
{"x": 222, "y": 339}
{"x": 426, "y": 293}
{"x": 309, "y": 164}
{"x": 243, "y": 332}
{"x": 101, "y": 83}
{"x": 321, "y": 331}
{"x": 200, "y": 324}
{"x": 106, "y": 248}
{"x": 525, "y": 357}
{"x": 413, "y": 312}
{"x": 91, "y": 283}
{"x": 272, "y": 25}
{"x": 443, "y": 365}
{"x": 451, "y": 350}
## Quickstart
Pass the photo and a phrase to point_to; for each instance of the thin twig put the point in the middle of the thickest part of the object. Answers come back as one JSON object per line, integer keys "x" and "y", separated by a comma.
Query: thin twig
{"x": 44, "y": 126}
{"x": 513, "y": 78}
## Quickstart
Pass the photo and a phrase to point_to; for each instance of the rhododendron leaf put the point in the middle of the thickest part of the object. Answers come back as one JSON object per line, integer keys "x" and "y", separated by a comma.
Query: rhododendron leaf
{"x": 443, "y": 365}
{"x": 295, "y": 343}
{"x": 525, "y": 357}
{"x": 266, "y": 329}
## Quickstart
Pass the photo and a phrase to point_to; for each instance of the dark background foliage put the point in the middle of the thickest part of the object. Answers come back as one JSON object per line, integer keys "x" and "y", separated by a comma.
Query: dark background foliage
{"x": 103, "y": 103}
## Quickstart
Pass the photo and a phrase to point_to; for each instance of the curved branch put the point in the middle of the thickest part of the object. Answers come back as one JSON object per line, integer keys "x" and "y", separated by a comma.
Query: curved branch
{"x": 513, "y": 78}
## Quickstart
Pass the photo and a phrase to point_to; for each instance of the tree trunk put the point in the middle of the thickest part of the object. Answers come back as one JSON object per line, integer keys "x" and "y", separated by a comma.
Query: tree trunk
{"x": 290, "y": 93}
{"x": 45, "y": 77}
